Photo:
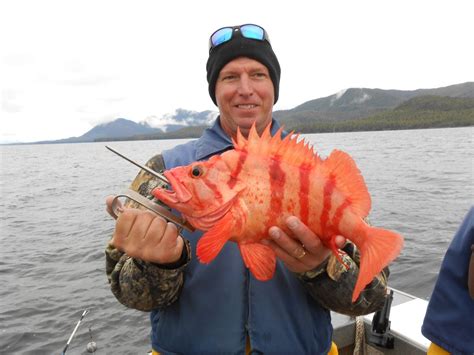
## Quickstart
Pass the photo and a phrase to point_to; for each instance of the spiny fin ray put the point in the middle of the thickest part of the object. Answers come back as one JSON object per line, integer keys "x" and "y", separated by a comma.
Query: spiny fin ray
{"x": 288, "y": 149}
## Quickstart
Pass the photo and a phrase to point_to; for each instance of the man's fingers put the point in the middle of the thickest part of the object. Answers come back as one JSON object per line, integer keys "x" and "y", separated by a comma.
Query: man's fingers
{"x": 172, "y": 241}
{"x": 124, "y": 225}
{"x": 289, "y": 250}
{"x": 284, "y": 256}
{"x": 303, "y": 234}
{"x": 170, "y": 235}
{"x": 299, "y": 248}
{"x": 156, "y": 230}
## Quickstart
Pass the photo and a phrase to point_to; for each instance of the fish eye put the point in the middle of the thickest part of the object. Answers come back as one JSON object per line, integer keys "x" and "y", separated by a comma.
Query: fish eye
{"x": 196, "y": 171}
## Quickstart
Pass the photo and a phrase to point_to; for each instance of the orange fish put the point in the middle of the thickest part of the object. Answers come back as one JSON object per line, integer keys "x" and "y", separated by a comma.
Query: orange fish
{"x": 239, "y": 194}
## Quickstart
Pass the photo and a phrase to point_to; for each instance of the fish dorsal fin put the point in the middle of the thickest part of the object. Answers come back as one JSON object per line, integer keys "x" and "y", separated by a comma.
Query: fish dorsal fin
{"x": 348, "y": 179}
{"x": 288, "y": 149}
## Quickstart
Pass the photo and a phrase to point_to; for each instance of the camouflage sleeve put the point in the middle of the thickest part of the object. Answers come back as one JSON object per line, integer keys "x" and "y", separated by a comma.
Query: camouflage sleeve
{"x": 138, "y": 284}
{"x": 331, "y": 284}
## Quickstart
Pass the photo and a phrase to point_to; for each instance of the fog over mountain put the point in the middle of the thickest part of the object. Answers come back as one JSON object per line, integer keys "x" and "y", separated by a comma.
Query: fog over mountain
{"x": 181, "y": 118}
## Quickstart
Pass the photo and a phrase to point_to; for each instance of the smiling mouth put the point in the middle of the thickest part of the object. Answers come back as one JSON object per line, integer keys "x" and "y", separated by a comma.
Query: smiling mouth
{"x": 246, "y": 106}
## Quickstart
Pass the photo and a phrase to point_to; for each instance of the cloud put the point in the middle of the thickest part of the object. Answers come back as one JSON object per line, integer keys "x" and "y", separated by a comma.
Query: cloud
{"x": 17, "y": 59}
{"x": 340, "y": 93}
{"x": 182, "y": 117}
{"x": 87, "y": 80}
{"x": 9, "y": 98}
{"x": 361, "y": 99}
{"x": 338, "y": 96}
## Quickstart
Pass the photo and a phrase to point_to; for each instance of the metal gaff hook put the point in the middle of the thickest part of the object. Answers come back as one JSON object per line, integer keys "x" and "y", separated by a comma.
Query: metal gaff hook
{"x": 143, "y": 201}
{"x": 159, "y": 210}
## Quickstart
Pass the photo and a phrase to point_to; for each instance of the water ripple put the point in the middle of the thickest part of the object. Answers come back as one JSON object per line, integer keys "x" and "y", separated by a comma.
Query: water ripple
{"x": 54, "y": 228}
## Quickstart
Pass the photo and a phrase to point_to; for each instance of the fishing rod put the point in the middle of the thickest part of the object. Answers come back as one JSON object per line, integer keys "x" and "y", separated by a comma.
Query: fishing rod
{"x": 74, "y": 331}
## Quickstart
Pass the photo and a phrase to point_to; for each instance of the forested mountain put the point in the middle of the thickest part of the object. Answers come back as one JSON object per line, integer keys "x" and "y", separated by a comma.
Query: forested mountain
{"x": 415, "y": 113}
{"x": 361, "y": 103}
{"x": 353, "y": 109}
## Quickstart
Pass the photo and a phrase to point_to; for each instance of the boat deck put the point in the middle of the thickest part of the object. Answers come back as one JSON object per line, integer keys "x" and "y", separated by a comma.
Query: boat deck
{"x": 406, "y": 317}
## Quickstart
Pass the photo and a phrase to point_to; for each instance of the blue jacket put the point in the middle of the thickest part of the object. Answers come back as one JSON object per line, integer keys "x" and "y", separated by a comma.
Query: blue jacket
{"x": 221, "y": 302}
{"x": 449, "y": 319}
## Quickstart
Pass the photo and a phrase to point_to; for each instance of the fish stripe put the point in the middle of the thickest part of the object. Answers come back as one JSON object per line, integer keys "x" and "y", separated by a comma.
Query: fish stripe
{"x": 214, "y": 188}
{"x": 304, "y": 192}
{"x": 327, "y": 203}
{"x": 277, "y": 183}
{"x": 195, "y": 192}
{"x": 240, "y": 163}
{"x": 340, "y": 210}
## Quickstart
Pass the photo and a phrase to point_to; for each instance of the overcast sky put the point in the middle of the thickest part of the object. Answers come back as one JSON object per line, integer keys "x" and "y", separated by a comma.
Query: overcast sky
{"x": 69, "y": 65}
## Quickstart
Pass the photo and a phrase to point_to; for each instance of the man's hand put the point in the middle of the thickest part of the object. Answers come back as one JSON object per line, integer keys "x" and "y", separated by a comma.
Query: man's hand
{"x": 301, "y": 250}
{"x": 146, "y": 236}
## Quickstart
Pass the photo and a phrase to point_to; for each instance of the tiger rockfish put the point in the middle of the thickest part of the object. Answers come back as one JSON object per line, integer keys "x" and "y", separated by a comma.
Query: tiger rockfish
{"x": 239, "y": 194}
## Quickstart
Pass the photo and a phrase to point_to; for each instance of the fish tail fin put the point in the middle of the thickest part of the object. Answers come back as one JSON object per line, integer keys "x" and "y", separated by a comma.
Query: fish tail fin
{"x": 212, "y": 242}
{"x": 260, "y": 259}
{"x": 378, "y": 247}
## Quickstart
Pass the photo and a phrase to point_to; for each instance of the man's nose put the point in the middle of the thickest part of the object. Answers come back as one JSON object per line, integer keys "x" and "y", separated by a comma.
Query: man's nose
{"x": 245, "y": 85}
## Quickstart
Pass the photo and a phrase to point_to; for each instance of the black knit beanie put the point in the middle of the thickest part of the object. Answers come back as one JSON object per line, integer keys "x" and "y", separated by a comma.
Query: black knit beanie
{"x": 239, "y": 46}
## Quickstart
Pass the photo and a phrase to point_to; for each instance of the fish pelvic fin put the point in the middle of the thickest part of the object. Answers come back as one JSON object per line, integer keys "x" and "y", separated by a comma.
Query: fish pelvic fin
{"x": 378, "y": 247}
{"x": 348, "y": 179}
{"x": 260, "y": 259}
{"x": 212, "y": 242}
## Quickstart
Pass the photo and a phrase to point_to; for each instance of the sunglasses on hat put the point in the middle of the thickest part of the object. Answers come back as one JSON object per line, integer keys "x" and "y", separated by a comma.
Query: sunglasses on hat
{"x": 225, "y": 34}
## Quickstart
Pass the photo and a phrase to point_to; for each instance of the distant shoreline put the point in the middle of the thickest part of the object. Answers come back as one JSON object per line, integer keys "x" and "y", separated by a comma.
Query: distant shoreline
{"x": 380, "y": 113}
{"x": 195, "y": 137}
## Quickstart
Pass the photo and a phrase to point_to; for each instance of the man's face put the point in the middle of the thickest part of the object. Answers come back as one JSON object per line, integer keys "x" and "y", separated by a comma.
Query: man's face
{"x": 244, "y": 95}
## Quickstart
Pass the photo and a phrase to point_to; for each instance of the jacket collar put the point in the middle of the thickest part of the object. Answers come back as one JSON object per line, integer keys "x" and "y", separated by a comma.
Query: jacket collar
{"x": 214, "y": 140}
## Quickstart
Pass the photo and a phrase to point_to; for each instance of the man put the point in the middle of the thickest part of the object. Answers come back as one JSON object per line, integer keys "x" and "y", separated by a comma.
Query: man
{"x": 221, "y": 307}
{"x": 449, "y": 319}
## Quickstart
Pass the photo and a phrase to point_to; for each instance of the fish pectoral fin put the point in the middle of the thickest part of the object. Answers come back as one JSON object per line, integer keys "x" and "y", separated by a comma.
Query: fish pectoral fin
{"x": 212, "y": 242}
{"x": 260, "y": 259}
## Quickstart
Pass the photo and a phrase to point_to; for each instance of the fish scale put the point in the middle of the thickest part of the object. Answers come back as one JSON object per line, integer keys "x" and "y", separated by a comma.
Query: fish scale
{"x": 238, "y": 195}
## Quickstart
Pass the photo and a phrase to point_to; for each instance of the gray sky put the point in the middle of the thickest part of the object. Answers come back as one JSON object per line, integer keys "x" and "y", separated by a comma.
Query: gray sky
{"x": 69, "y": 65}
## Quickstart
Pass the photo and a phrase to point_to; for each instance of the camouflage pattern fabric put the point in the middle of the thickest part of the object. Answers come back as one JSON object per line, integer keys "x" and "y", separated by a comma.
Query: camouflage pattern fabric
{"x": 331, "y": 284}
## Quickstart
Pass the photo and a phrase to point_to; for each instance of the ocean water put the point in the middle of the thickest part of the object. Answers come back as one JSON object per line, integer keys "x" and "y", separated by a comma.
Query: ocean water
{"x": 54, "y": 228}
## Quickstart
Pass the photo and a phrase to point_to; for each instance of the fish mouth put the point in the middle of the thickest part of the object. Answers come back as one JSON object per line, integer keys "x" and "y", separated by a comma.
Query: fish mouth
{"x": 179, "y": 194}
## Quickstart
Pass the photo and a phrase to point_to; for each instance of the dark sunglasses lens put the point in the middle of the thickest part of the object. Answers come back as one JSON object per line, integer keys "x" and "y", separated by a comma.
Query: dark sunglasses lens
{"x": 252, "y": 32}
{"x": 221, "y": 36}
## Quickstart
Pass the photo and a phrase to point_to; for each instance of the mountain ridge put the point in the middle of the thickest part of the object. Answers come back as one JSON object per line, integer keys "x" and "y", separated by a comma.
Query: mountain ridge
{"x": 347, "y": 105}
